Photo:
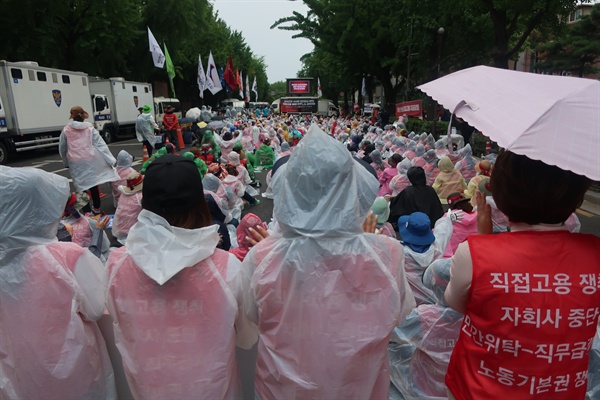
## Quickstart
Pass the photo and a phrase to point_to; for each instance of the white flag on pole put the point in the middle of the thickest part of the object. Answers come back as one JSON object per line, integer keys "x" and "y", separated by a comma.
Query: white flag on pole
{"x": 157, "y": 54}
{"x": 363, "y": 91}
{"x": 213, "y": 83}
{"x": 319, "y": 90}
{"x": 255, "y": 89}
{"x": 247, "y": 92}
{"x": 241, "y": 86}
{"x": 201, "y": 77}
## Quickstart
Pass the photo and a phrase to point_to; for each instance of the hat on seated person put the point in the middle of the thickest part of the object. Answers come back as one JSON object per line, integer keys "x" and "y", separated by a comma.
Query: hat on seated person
{"x": 135, "y": 183}
{"x": 234, "y": 158}
{"x": 455, "y": 198}
{"x": 484, "y": 186}
{"x": 416, "y": 229}
{"x": 147, "y": 109}
{"x": 172, "y": 184}
{"x": 381, "y": 208}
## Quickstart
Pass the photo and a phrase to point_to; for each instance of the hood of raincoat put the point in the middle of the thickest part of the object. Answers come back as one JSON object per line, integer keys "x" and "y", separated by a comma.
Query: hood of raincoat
{"x": 79, "y": 125}
{"x": 436, "y": 277}
{"x": 466, "y": 151}
{"x": 430, "y": 157}
{"x": 416, "y": 176}
{"x": 31, "y": 204}
{"x": 403, "y": 166}
{"x": 321, "y": 190}
{"x": 440, "y": 144}
{"x": 211, "y": 183}
{"x": 445, "y": 164}
{"x": 162, "y": 250}
{"x": 124, "y": 159}
{"x": 420, "y": 150}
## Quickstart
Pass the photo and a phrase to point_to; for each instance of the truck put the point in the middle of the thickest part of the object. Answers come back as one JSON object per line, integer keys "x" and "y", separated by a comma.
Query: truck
{"x": 115, "y": 105}
{"x": 327, "y": 108}
{"x": 35, "y": 103}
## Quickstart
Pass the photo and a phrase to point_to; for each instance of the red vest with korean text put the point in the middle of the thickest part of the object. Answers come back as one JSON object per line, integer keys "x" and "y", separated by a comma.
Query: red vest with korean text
{"x": 530, "y": 317}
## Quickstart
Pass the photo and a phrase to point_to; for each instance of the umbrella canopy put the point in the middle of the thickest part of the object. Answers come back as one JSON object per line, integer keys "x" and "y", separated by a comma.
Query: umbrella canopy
{"x": 193, "y": 113}
{"x": 217, "y": 124}
{"x": 554, "y": 119}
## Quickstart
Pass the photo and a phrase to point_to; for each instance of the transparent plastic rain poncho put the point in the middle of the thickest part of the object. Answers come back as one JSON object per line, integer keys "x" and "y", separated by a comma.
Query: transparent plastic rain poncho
{"x": 400, "y": 181}
{"x": 593, "y": 391}
{"x": 466, "y": 165}
{"x": 126, "y": 214}
{"x": 441, "y": 148}
{"x": 416, "y": 263}
{"x": 124, "y": 161}
{"x": 88, "y": 158}
{"x": 421, "y": 346}
{"x": 144, "y": 128}
{"x": 178, "y": 311}
{"x": 51, "y": 294}
{"x": 328, "y": 295}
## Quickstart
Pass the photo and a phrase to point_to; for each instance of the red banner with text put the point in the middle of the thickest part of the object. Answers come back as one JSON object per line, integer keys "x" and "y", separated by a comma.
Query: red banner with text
{"x": 411, "y": 108}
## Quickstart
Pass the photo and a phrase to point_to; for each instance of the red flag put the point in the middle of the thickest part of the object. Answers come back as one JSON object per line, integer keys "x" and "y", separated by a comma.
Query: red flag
{"x": 230, "y": 75}
{"x": 238, "y": 78}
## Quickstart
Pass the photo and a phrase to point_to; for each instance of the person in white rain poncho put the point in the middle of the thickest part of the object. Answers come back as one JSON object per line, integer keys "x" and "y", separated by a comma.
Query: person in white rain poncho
{"x": 327, "y": 294}
{"x": 51, "y": 294}
{"x": 420, "y": 347}
{"x": 175, "y": 299}
{"x": 145, "y": 127}
{"x": 88, "y": 158}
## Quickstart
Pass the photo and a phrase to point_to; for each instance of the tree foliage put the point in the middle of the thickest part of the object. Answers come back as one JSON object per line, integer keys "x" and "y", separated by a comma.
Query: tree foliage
{"x": 578, "y": 51}
{"x": 399, "y": 44}
{"x": 108, "y": 38}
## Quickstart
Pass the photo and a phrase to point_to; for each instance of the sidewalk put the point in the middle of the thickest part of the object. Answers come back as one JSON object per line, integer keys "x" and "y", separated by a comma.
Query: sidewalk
{"x": 591, "y": 202}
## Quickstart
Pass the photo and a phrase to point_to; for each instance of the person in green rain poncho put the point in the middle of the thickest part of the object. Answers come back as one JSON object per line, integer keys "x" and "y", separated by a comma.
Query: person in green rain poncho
{"x": 265, "y": 156}
{"x": 202, "y": 167}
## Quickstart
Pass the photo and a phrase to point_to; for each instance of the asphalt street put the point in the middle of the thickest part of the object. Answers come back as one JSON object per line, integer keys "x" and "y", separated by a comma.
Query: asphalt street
{"x": 49, "y": 160}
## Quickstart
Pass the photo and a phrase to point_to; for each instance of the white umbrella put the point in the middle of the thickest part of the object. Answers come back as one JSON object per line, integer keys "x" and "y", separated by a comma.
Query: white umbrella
{"x": 193, "y": 113}
{"x": 554, "y": 119}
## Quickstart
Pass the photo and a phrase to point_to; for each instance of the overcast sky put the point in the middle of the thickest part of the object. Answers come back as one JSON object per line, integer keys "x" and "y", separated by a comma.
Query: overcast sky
{"x": 253, "y": 18}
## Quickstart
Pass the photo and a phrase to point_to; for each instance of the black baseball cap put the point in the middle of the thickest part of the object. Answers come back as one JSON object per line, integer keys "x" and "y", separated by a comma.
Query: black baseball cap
{"x": 172, "y": 184}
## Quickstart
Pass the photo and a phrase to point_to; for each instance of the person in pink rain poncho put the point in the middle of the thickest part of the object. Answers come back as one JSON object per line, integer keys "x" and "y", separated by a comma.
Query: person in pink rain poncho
{"x": 466, "y": 165}
{"x": 327, "y": 294}
{"x": 178, "y": 311}
{"x": 248, "y": 221}
{"x": 388, "y": 174}
{"x": 129, "y": 207}
{"x": 124, "y": 162}
{"x": 400, "y": 181}
{"x": 51, "y": 295}
{"x": 466, "y": 222}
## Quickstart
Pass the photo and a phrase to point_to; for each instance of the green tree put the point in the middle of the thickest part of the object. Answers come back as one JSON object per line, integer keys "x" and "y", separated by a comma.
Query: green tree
{"x": 578, "y": 51}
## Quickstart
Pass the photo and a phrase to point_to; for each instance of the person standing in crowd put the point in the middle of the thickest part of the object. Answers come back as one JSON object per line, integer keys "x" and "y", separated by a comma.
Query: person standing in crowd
{"x": 171, "y": 124}
{"x": 538, "y": 269}
{"x": 87, "y": 156}
{"x": 327, "y": 294}
{"x": 179, "y": 312}
{"x": 144, "y": 128}
{"x": 51, "y": 294}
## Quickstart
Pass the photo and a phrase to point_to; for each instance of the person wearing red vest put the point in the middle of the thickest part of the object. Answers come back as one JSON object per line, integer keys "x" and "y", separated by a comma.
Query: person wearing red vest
{"x": 171, "y": 124}
{"x": 530, "y": 297}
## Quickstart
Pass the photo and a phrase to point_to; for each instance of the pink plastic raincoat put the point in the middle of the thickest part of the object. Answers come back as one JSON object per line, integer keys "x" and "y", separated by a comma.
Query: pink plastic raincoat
{"x": 51, "y": 294}
{"x": 328, "y": 295}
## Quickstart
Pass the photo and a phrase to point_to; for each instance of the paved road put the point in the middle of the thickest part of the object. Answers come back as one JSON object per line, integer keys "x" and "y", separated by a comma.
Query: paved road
{"x": 49, "y": 160}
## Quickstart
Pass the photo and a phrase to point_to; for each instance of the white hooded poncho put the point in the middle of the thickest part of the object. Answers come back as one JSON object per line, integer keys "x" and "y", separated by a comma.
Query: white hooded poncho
{"x": 177, "y": 306}
{"x": 87, "y": 156}
{"x": 51, "y": 294}
{"x": 327, "y": 294}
